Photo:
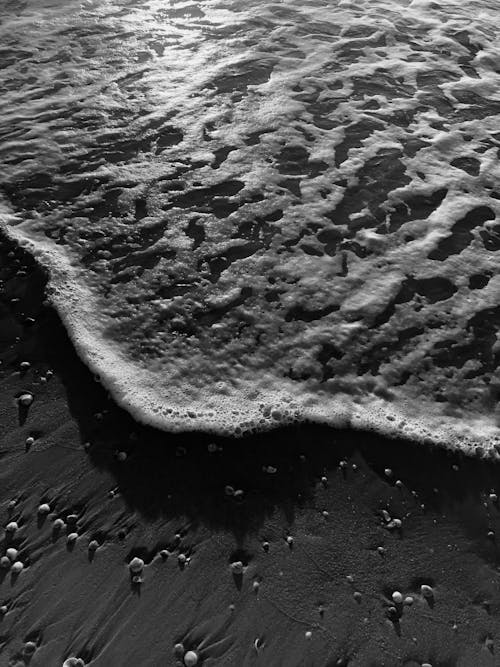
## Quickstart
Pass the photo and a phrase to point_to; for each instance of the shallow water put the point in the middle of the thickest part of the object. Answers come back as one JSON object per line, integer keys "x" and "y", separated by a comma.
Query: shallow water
{"x": 259, "y": 212}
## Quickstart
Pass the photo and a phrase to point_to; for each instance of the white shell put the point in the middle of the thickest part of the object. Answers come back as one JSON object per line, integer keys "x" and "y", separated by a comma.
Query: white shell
{"x": 136, "y": 565}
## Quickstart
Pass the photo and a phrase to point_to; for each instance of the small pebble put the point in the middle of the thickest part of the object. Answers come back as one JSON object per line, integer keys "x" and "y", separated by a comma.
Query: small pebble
{"x": 395, "y": 523}
{"x": 24, "y": 365}
{"x": 93, "y": 545}
{"x": 491, "y": 535}
{"x": 17, "y": 567}
{"x": 25, "y": 400}
{"x": 308, "y": 634}
{"x": 137, "y": 579}
{"x": 265, "y": 546}
{"x": 212, "y": 447}
{"x": 5, "y": 562}
{"x": 325, "y": 514}
{"x": 343, "y": 464}
{"x": 72, "y": 538}
{"x": 426, "y": 591}
{"x": 29, "y": 648}
{"x": 388, "y": 472}
{"x": 493, "y": 497}
{"x": 256, "y": 586}
{"x": 121, "y": 456}
{"x": 238, "y": 494}
{"x": 3, "y": 609}
{"x": 44, "y": 508}
{"x": 30, "y": 441}
{"x": 257, "y": 645}
{"x": 237, "y": 567}
{"x": 136, "y": 565}
{"x": 397, "y": 598}
{"x": 72, "y": 518}
{"x": 408, "y": 600}
{"x": 381, "y": 550}
{"x": 164, "y": 553}
{"x": 11, "y": 554}
{"x": 357, "y": 596}
{"x": 179, "y": 649}
{"x": 350, "y": 579}
{"x": 182, "y": 559}
{"x": 11, "y": 527}
{"x": 191, "y": 659}
{"x": 324, "y": 481}
{"x": 74, "y": 662}
{"x": 289, "y": 540}
{"x": 399, "y": 483}
{"x": 58, "y": 524}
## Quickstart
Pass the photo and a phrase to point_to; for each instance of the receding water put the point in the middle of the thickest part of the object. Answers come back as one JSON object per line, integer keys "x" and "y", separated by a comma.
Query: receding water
{"x": 256, "y": 212}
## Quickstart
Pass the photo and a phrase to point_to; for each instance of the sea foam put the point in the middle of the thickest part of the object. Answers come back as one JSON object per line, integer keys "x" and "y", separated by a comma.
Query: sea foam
{"x": 257, "y": 213}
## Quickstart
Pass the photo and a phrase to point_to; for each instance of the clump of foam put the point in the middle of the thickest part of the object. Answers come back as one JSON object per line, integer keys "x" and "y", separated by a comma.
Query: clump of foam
{"x": 248, "y": 223}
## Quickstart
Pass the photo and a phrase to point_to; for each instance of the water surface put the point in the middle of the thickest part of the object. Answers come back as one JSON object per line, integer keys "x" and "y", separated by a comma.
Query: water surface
{"x": 257, "y": 212}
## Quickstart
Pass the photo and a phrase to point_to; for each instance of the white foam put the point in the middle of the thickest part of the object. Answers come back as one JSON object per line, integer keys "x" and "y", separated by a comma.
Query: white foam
{"x": 281, "y": 281}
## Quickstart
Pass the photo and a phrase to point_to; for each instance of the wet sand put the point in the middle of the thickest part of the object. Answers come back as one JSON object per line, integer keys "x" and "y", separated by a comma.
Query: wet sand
{"x": 189, "y": 507}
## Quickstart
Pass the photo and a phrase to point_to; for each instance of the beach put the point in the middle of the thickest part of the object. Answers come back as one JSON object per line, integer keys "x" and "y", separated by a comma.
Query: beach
{"x": 281, "y": 549}
{"x": 249, "y": 349}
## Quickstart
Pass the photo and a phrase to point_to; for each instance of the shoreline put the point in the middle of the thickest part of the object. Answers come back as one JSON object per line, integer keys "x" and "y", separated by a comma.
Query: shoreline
{"x": 385, "y": 419}
{"x": 191, "y": 505}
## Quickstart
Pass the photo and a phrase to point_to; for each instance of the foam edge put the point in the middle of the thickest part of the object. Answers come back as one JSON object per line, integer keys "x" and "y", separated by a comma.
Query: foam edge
{"x": 473, "y": 436}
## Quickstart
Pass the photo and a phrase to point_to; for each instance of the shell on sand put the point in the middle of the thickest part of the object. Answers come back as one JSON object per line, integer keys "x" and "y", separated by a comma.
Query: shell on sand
{"x": 191, "y": 659}
{"x": 237, "y": 567}
{"x": 426, "y": 591}
{"x": 25, "y": 399}
{"x": 136, "y": 565}
{"x": 11, "y": 553}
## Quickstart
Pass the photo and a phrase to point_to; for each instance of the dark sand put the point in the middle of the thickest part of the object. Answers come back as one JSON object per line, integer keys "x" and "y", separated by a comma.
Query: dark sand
{"x": 169, "y": 493}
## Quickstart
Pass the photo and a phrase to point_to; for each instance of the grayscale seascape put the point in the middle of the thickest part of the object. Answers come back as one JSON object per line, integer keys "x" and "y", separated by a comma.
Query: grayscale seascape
{"x": 249, "y": 333}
